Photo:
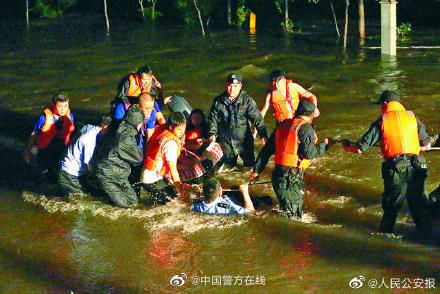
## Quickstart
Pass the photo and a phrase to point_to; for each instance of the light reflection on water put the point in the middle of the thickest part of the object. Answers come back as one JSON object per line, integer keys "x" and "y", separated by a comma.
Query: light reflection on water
{"x": 56, "y": 245}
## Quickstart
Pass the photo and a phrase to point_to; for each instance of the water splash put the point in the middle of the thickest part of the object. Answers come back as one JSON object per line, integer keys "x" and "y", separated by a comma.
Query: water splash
{"x": 173, "y": 215}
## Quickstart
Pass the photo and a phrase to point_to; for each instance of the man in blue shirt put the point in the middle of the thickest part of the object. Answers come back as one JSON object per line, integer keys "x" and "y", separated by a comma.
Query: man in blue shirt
{"x": 78, "y": 160}
{"x": 216, "y": 203}
{"x": 51, "y": 134}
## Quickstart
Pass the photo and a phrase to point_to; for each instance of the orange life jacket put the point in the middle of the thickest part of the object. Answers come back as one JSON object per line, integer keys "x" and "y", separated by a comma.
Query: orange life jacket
{"x": 49, "y": 131}
{"x": 155, "y": 149}
{"x": 285, "y": 106}
{"x": 287, "y": 142}
{"x": 399, "y": 131}
{"x": 136, "y": 88}
{"x": 193, "y": 134}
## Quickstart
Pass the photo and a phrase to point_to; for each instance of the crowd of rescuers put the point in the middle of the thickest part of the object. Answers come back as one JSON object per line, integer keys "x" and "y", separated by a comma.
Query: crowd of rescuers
{"x": 136, "y": 144}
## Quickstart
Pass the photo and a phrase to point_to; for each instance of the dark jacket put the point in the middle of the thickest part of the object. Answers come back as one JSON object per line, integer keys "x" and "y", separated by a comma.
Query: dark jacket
{"x": 231, "y": 121}
{"x": 306, "y": 148}
{"x": 116, "y": 152}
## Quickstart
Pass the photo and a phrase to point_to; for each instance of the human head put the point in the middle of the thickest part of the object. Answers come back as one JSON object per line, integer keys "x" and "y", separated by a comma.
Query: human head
{"x": 305, "y": 108}
{"x": 196, "y": 118}
{"x": 233, "y": 85}
{"x": 177, "y": 124}
{"x": 146, "y": 102}
{"x": 388, "y": 96}
{"x": 145, "y": 72}
{"x": 278, "y": 78}
{"x": 212, "y": 189}
{"x": 276, "y": 75}
{"x": 60, "y": 101}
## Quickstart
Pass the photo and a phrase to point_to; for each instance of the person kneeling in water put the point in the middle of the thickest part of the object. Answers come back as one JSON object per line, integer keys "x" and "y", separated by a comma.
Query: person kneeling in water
{"x": 160, "y": 164}
{"x": 114, "y": 158}
{"x": 217, "y": 203}
{"x": 77, "y": 162}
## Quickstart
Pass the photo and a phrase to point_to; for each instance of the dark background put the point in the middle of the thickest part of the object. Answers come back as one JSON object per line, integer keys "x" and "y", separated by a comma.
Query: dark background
{"x": 422, "y": 13}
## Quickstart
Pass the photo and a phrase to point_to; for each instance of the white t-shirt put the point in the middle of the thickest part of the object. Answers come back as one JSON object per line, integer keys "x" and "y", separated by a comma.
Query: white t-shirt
{"x": 170, "y": 150}
{"x": 79, "y": 154}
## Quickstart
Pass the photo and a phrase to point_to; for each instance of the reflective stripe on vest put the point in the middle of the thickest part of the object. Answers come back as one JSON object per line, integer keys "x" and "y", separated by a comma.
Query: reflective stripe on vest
{"x": 399, "y": 131}
{"x": 287, "y": 142}
{"x": 155, "y": 150}
{"x": 285, "y": 106}
{"x": 49, "y": 131}
{"x": 136, "y": 87}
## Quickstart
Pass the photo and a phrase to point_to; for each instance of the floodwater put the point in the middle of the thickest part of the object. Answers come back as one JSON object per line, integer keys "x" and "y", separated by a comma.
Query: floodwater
{"x": 53, "y": 245}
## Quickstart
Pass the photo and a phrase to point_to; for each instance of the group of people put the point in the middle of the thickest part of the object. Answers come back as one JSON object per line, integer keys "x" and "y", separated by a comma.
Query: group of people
{"x": 137, "y": 146}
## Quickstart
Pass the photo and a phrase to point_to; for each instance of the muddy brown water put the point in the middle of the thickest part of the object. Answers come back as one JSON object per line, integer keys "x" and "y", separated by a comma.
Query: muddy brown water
{"x": 52, "y": 245}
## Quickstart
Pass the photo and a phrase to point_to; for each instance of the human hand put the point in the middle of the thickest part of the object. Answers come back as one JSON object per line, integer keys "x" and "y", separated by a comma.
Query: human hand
{"x": 316, "y": 113}
{"x": 167, "y": 99}
{"x": 264, "y": 140}
{"x": 212, "y": 138}
{"x": 253, "y": 176}
{"x": 329, "y": 141}
{"x": 426, "y": 148}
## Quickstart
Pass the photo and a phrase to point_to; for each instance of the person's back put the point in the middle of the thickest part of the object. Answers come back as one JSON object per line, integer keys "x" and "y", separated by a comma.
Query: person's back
{"x": 79, "y": 153}
{"x": 115, "y": 158}
{"x": 121, "y": 150}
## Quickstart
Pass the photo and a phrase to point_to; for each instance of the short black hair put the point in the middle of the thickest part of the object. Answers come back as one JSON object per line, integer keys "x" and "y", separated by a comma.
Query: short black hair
{"x": 277, "y": 75}
{"x": 60, "y": 97}
{"x": 176, "y": 118}
{"x": 305, "y": 107}
{"x": 388, "y": 96}
{"x": 211, "y": 189}
{"x": 144, "y": 69}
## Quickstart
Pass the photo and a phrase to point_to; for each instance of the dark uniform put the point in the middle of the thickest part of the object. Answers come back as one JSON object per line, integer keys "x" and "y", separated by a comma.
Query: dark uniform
{"x": 230, "y": 120}
{"x": 404, "y": 175}
{"x": 287, "y": 179}
{"x": 114, "y": 157}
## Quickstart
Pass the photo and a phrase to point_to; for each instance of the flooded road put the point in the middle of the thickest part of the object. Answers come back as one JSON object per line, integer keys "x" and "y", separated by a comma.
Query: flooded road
{"x": 53, "y": 245}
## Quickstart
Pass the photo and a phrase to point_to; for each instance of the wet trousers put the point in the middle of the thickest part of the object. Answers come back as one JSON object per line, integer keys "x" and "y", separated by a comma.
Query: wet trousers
{"x": 405, "y": 178}
{"x": 287, "y": 184}
{"x": 243, "y": 148}
{"x": 117, "y": 189}
{"x": 159, "y": 192}
{"x": 71, "y": 184}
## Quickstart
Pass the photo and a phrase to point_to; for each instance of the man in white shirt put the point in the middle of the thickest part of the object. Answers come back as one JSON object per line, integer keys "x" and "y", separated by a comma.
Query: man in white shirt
{"x": 78, "y": 160}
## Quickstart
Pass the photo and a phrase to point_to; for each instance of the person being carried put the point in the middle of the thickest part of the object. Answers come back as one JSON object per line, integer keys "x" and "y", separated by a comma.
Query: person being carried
{"x": 196, "y": 133}
{"x": 230, "y": 119}
{"x": 51, "y": 133}
{"x": 114, "y": 158}
{"x": 77, "y": 162}
{"x": 295, "y": 144}
{"x": 284, "y": 96}
{"x": 159, "y": 177}
{"x": 216, "y": 202}
{"x": 404, "y": 171}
